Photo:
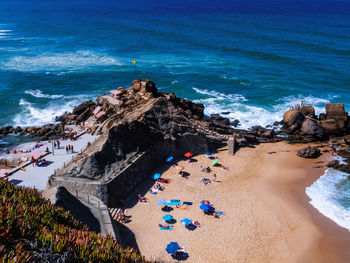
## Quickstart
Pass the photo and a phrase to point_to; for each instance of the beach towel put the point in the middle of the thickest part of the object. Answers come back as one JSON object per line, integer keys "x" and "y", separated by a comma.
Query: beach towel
{"x": 165, "y": 229}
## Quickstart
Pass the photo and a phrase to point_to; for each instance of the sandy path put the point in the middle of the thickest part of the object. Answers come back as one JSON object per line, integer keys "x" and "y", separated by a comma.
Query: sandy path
{"x": 267, "y": 218}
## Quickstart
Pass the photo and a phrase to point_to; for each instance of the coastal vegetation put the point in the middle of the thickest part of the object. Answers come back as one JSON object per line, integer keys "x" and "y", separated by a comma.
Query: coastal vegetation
{"x": 34, "y": 230}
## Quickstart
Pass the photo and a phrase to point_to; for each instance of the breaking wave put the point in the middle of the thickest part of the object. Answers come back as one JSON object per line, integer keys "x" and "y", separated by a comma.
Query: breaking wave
{"x": 237, "y": 106}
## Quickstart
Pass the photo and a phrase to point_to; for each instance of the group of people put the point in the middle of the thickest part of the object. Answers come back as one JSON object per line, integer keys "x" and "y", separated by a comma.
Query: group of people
{"x": 69, "y": 148}
{"x": 156, "y": 188}
{"x": 57, "y": 144}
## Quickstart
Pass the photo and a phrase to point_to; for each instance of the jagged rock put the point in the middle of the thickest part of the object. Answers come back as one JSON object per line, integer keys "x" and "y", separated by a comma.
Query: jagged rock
{"x": 144, "y": 86}
{"x": 18, "y": 129}
{"x": 334, "y": 164}
{"x": 331, "y": 126}
{"x": 235, "y": 123}
{"x": 309, "y": 152}
{"x": 307, "y": 111}
{"x": 83, "y": 107}
{"x": 322, "y": 116}
{"x": 262, "y": 132}
{"x": 311, "y": 127}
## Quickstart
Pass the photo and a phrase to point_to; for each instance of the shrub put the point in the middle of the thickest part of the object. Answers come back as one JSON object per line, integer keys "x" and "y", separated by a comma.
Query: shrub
{"x": 34, "y": 230}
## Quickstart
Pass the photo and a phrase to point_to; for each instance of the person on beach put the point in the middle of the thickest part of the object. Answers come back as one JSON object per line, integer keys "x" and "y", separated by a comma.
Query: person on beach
{"x": 33, "y": 161}
{"x": 54, "y": 145}
{"x": 47, "y": 149}
{"x": 7, "y": 151}
{"x": 208, "y": 170}
{"x": 72, "y": 148}
{"x": 142, "y": 199}
{"x": 214, "y": 177}
{"x": 330, "y": 145}
{"x": 66, "y": 149}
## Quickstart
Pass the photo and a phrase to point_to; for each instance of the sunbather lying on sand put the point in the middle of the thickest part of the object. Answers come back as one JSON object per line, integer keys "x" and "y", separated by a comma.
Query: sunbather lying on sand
{"x": 166, "y": 226}
{"x": 205, "y": 181}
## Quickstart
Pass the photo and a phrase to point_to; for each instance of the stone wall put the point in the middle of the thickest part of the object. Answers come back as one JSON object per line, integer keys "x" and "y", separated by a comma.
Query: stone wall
{"x": 124, "y": 183}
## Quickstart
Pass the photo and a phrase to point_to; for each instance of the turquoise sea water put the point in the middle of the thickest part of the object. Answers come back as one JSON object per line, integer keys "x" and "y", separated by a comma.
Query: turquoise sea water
{"x": 252, "y": 59}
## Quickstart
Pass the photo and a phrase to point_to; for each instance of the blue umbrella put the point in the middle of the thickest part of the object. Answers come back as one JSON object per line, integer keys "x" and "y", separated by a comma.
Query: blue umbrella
{"x": 186, "y": 221}
{"x": 167, "y": 217}
{"x": 172, "y": 247}
{"x": 156, "y": 176}
{"x": 205, "y": 207}
{"x": 208, "y": 153}
{"x": 169, "y": 159}
{"x": 161, "y": 202}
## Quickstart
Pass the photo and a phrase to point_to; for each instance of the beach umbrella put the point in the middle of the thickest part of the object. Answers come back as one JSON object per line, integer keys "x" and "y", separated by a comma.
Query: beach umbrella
{"x": 188, "y": 155}
{"x": 208, "y": 153}
{"x": 169, "y": 159}
{"x": 167, "y": 217}
{"x": 161, "y": 202}
{"x": 172, "y": 247}
{"x": 156, "y": 176}
{"x": 214, "y": 162}
{"x": 186, "y": 221}
{"x": 205, "y": 207}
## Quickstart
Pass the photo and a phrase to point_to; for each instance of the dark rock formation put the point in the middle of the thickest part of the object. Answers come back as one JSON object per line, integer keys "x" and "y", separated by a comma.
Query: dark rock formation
{"x": 141, "y": 127}
{"x": 302, "y": 125}
{"x": 293, "y": 119}
{"x": 311, "y": 127}
{"x": 309, "y": 152}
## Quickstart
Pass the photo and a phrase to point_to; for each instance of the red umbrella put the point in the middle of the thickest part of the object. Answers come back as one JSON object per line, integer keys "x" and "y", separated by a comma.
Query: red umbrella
{"x": 188, "y": 155}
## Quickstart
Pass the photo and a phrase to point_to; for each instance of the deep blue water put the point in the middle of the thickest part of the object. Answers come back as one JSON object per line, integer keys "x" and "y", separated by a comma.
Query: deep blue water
{"x": 252, "y": 58}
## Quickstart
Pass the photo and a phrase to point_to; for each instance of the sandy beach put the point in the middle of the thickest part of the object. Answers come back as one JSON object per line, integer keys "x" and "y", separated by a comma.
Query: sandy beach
{"x": 267, "y": 217}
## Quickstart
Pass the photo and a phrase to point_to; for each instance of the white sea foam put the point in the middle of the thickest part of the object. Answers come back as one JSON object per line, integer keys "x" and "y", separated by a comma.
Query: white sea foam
{"x": 58, "y": 62}
{"x": 31, "y": 115}
{"x": 248, "y": 114}
{"x": 330, "y": 195}
{"x": 38, "y": 94}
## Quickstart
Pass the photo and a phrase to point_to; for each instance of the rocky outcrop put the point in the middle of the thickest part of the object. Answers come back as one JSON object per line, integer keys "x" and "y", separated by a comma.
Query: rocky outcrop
{"x": 292, "y": 119}
{"x": 141, "y": 127}
{"x": 302, "y": 125}
{"x": 311, "y": 127}
{"x": 309, "y": 152}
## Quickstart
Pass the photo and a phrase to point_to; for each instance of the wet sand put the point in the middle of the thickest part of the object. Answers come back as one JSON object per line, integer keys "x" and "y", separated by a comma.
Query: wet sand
{"x": 267, "y": 217}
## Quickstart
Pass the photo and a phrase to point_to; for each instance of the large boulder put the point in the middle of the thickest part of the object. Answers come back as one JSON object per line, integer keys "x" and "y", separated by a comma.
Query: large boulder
{"x": 144, "y": 86}
{"x": 332, "y": 126}
{"x": 311, "y": 127}
{"x": 293, "y": 120}
{"x": 307, "y": 111}
{"x": 336, "y": 111}
{"x": 309, "y": 152}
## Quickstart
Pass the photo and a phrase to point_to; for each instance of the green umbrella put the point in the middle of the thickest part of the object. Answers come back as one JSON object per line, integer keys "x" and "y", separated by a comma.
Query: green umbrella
{"x": 215, "y": 162}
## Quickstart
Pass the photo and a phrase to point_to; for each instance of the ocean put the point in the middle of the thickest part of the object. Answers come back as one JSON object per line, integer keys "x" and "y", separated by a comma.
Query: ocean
{"x": 253, "y": 60}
